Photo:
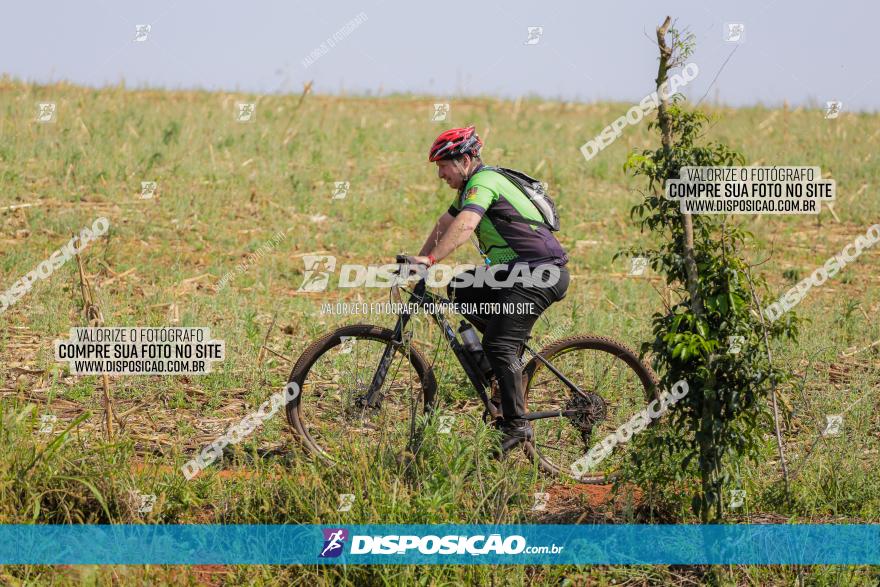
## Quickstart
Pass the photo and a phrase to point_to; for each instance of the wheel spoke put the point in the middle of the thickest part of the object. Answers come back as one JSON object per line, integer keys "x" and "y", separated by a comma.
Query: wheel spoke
{"x": 612, "y": 385}
{"x": 327, "y": 411}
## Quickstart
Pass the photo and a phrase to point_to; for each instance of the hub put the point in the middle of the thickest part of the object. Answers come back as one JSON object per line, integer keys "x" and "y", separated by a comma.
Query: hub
{"x": 588, "y": 411}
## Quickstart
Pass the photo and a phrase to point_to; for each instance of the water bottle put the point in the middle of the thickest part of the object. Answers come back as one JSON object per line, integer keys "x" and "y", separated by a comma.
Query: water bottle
{"x": 471, "y": 342}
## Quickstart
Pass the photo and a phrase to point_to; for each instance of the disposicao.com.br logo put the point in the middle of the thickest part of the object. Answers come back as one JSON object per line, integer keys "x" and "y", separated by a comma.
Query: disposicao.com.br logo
{"x": 334, "y": 542}
{"x": 318, "y": 269}
{"x": 335, "y": 539}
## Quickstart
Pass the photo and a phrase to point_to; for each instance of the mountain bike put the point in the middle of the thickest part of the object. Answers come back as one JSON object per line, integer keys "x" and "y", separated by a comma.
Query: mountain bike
{"x": 364, "y": 383}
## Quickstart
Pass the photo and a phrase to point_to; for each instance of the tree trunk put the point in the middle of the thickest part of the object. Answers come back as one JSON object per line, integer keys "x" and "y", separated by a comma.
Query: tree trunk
{"x": 690, "y": 263}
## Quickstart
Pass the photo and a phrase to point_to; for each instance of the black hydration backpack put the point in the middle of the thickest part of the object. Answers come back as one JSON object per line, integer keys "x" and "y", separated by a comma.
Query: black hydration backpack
{"x": 534, "y": 191}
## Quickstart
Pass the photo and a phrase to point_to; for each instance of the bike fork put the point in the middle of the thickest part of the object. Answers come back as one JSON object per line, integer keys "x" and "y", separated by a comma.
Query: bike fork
{"x": 373, "y": 399}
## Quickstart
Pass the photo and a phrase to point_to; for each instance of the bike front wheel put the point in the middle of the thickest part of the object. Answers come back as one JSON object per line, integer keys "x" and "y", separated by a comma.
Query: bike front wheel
{"x": 334, "y": 374}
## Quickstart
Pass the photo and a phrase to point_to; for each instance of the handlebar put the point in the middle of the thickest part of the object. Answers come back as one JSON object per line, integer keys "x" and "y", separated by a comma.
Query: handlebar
{"x": 409, "y": 261}
{"x": 409, "y": 266}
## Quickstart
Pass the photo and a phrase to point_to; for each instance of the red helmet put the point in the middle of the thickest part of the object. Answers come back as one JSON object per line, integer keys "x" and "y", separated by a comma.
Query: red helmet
{"x": 455, "y": 143}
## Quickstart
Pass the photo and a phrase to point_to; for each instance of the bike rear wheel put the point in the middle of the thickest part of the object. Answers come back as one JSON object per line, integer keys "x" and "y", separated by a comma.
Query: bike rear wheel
{"x": 617, "y": 386}
{"x": 336, "y": 371}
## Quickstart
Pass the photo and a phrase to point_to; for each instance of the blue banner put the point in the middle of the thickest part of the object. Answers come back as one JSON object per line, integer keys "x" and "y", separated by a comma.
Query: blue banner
{"x": 803, "y": 544}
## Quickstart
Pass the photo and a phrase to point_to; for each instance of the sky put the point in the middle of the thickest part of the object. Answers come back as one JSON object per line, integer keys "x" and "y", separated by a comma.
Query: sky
{"x": 804, "y": 52}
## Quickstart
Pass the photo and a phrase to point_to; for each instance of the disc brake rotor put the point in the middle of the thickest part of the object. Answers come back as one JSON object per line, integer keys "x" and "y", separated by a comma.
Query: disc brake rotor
{"x": 356, "y": 406}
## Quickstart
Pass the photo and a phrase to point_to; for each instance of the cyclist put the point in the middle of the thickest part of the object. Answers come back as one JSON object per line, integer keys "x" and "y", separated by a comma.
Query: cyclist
{"x": 509, "y": 231}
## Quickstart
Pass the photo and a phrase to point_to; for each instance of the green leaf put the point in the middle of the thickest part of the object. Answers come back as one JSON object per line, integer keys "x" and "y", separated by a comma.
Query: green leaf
{"x": 702, "y": 328}
{"x": 678, "y": 349}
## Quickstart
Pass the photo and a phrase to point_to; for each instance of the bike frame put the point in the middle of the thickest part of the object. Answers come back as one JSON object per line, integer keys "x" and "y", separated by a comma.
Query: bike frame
{"x": 421, "y": 296}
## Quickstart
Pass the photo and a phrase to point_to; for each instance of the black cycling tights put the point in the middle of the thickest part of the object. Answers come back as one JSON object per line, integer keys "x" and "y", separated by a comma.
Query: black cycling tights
{"x": 519, "y": 306}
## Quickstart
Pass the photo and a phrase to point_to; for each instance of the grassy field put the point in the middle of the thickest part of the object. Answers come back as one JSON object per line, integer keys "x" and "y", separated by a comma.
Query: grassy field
{"x": 225, "y": 188}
